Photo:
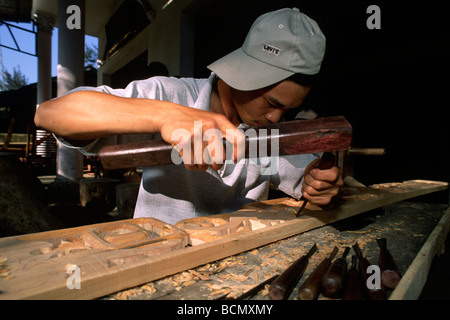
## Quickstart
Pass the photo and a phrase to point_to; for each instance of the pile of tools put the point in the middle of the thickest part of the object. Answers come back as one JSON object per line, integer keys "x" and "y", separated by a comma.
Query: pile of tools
{"x": 334, "y": 279}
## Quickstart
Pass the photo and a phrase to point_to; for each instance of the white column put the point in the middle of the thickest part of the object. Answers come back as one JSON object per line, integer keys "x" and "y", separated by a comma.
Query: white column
{"x": 44, "y": 23}
{"x": 70, "y": 74}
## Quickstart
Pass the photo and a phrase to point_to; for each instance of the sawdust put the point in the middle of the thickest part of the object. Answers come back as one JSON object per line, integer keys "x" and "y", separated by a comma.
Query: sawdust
{"x": 199, "y": 275}
{"x": 146, "y": 289}
{"x": 229, "y": 278}
{"x": 4, "y": 268}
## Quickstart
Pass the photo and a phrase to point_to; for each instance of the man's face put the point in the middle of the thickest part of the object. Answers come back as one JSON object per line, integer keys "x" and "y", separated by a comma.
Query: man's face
{"x": 267, "y": 105}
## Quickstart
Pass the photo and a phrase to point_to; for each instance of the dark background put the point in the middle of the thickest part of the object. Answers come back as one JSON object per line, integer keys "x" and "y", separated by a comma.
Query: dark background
{"x": 390, "y": 83}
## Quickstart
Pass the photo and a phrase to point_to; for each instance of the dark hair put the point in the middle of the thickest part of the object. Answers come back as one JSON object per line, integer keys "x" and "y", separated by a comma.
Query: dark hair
{"x": 306, "y": 80}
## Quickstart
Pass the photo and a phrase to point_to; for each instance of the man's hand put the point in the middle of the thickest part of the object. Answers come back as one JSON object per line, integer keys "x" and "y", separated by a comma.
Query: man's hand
{"x": 320, "y": 186}
{"x": 197, "y": 136}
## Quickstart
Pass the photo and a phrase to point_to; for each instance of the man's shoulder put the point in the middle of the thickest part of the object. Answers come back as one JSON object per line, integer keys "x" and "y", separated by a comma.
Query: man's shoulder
{"x": 169, "y": 86}
{"x": 178, "y": 81}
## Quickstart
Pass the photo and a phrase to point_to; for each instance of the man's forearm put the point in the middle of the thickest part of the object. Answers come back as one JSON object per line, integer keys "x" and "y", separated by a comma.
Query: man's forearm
{"x": 85, "y": 115}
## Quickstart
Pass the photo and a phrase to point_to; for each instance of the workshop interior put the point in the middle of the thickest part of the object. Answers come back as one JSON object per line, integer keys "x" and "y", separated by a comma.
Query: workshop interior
{"x": 384, "y": 75}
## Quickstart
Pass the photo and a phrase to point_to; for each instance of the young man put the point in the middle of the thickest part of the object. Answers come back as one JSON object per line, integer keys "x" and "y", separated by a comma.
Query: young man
{"x": 254, "y": 85}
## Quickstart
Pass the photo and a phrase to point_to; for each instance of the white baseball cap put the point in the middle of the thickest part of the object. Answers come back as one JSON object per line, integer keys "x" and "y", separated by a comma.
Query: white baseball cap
{"x": 279, "y": 44}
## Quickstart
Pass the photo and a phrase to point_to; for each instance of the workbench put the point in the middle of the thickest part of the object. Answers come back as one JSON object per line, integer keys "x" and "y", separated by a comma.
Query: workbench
{"x": 224, "y": 255}
{"x": 415, "y": 232}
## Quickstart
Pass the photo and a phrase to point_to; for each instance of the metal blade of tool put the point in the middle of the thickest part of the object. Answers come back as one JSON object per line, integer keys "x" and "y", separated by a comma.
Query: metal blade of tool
{"x": 293, "y": 137}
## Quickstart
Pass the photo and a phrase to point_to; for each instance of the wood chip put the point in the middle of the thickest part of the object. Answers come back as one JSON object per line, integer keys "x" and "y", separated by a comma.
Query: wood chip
{"x": 188, "y": 283}
{"x": 214, "y": 286}
{"x": 240, "y": 278}
{"x": 248, "y": 272}
{"x": 358, "y": 231}
{"x": 220, "y": 291}
{"x": 150, "y": 288}
{"x": 199, "y": 275}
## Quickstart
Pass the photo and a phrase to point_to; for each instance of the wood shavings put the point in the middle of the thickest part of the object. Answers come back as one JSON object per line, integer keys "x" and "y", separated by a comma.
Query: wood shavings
{"x": 240, "y": 278}
{"x": 358, "y": 231}
{"x": 180, "y": 278}
{"x": 149, "y": 288}
{"x": 124, "y": 295}
{"x": 201, "y": 276}
{"x": 224, "y": 276}
{"x": 214, "y": 286}
{"x": 248, "y": 272}
{"x": 231, "y": 290}
{"x": 4, "y": 269}
{"x": 265, "y": 291}
{"x": 232, "y": 276}
{"x": 225, "y": 291}
{"x": 188, "y": 283}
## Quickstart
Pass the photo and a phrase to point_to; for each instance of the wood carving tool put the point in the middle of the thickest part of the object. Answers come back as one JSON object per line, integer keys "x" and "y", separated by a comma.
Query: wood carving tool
{"x": 327, "y": 161}
{"x": 390, "y": 275}
{"x": 282, "y": 286}
{"x": 333, "y": 279}
{"x": 353, "y": 284}
{"x": 371, "y": 294}
{"x": 310, "y": 289}
{"x": 293, "y": 137}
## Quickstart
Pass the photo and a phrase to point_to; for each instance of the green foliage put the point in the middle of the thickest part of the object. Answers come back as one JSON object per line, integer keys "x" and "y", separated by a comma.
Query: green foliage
{"x": 13, "y": 81}
{"x": 90, "y": 55}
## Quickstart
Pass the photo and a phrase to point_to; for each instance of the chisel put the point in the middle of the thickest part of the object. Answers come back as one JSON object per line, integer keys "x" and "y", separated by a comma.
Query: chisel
{"x": 373, "y": 293}
{"x": 310, "y": 289}
{"x": 390, "y": 275}
{"x": 333, "y": 280}
{"x": 353, "y": 284}
{"x": 282, "y": 286}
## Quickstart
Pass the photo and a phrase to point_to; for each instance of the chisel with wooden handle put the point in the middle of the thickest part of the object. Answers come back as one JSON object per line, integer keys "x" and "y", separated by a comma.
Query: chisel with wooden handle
{"x": 282, "y": 286}
{"x": 333, "y": 280}
{"x": 292, "y": 137}
{"x": 353, "y": 284}
{"x": 390, "y": 275}
{"x": 310, "y": 289}
{"x": 370, "y": 293}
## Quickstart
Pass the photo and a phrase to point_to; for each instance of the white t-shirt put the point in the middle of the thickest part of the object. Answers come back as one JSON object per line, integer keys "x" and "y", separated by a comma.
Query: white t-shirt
{"x": 171, "y": 192}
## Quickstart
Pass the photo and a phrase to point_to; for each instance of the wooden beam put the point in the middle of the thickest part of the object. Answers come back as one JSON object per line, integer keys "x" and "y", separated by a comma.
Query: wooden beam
{"x": 414, "y": 279}
{"x": 37, "y": 271}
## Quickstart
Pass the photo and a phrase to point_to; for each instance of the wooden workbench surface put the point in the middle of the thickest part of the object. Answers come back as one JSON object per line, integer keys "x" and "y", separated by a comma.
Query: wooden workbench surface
{"x": 406, "y": 225}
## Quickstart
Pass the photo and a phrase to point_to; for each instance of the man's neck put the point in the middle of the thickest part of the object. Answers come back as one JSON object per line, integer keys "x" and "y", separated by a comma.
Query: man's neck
{"x": 222, "y": 102}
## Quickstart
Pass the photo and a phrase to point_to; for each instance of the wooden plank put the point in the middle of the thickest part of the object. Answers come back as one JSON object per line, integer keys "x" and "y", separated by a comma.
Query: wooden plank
{"x": 44, "y": 276}
{"x": 414, "y": 279}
